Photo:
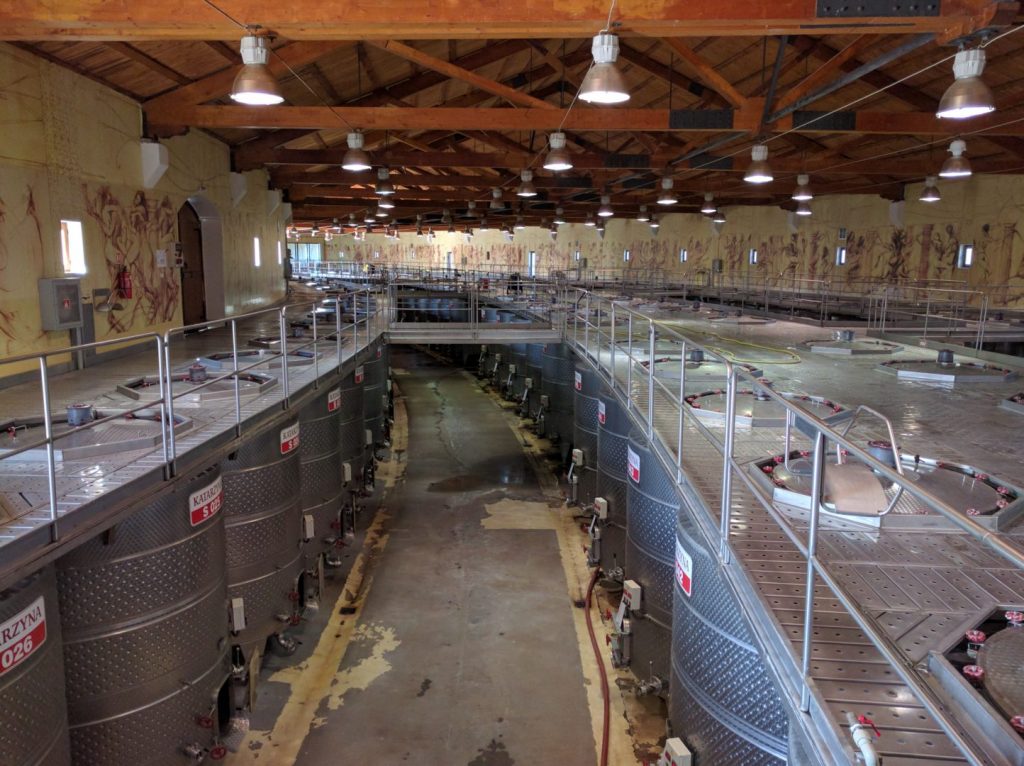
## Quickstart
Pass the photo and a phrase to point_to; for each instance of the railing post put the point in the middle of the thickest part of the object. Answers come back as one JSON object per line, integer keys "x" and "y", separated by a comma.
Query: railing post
{"x": 337, "y": 330}
{"x": 611, "y": 340}
{"x": 284, "y": 356}
{"x": 316, "y": 352}
{"x": 629, "y": 361}
{"x": 586, "y": 323}
{"x": 682, "y": 408}
{"x": 51, "y": 468}
{"x": 234, "y": 377}
{"x": 727, "y": 457}
{"x": 817, "y": 476}
{"x": 165, "y": 422}
{"x": 171, "y": 466}
{"x": 651, "y": 338}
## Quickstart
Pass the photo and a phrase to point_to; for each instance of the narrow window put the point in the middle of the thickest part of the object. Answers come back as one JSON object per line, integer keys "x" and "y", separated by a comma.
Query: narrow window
{"x": 683, "y": 255}
{"x": 753, "y": 255}
{"x": 256, "y": 251}
{"x": 841, "y": 255}
{"x": 625, "y": 255}
{"x": 72, "y": 247}
{"x": 965, "y": 256}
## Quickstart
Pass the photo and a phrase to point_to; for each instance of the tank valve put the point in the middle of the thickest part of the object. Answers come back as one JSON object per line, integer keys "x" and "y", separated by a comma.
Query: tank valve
{"x": 652, "y": 685}
{"x": 194, "y": 752}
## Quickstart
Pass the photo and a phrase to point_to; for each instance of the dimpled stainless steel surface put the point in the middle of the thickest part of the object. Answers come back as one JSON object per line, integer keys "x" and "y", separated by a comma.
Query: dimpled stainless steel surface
{"x": 33, "y": 712}
{"x": 262, "y": 516}
{"x": 612, "y": 437}
{"x": 653, "y": 507}
{"x": 717, "y": 667}
{"x": 321, "y": 477}
{"x": 585, "y": 430}
{"x": 376, "y": 371}
{"x": 558, "y": 367}
{"x": 146, "y": 644}
{"x": 535, "y": 371}
{"x": 351, "y": 433}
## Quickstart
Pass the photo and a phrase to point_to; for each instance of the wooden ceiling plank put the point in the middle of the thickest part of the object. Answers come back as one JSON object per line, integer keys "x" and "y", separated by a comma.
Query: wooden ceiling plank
{"x": 454, "y": 71}
{"x": 706, "y": 73}
{"x": 134, "y": 54}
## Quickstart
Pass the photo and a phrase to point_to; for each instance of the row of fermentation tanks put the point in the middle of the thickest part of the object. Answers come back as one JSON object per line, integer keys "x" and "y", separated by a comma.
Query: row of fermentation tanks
{"x": 141, "y": 644}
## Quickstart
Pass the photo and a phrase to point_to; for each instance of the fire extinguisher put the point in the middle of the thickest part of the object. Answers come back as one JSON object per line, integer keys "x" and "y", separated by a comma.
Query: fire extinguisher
{"x": 124, "y": 282}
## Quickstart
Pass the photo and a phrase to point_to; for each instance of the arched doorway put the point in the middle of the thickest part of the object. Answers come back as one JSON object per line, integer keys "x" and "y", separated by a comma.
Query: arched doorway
{"x": 193, "y": 285}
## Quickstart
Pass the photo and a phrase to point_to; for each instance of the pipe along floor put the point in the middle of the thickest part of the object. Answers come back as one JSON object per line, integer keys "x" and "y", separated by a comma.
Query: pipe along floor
{"x": 455, "y": 639}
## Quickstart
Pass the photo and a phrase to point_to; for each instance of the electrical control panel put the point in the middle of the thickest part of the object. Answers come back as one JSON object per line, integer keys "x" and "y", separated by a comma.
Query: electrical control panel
{"x": 60, "y": 303}
{"x": 577, "y": 457}
{"x": 601, "y": 508}
{"x": 675, "y": 754}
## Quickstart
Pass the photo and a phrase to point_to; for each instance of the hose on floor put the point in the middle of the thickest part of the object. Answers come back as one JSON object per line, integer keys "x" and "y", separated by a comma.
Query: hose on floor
{"x": 600, "y": 667}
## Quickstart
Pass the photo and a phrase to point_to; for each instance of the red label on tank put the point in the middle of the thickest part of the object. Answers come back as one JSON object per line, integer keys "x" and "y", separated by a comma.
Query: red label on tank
{"x": 633, "y": 464}
{"x": 333, "y": 400}
{"x": 380, "y": 352}
{"x": 602, "y": 417}
{"x": 684, "y": 570}
{"x": 289, "y": 439}
{"x": 205, "y": 503}
{"x": 359, "y": 374}
{"x": 22, "y": 635}
{"x": 579, "y": 382}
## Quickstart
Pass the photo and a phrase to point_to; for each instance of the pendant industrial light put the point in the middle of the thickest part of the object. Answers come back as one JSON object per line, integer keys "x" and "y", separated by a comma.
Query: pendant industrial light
{"x": 369, "y": 218}
{"x": 758, "y": 171}
{"x": 643, "y": 216}
{"x": 355, "y": 159}
{"x": 496, "y": 203}
{"x": 451, "y": 228}
{"x": 968, "y": 95}
{"x": 254, "y": 84}
{"x": 526, "y": 188}
{"x": 708, "y": 206}
{"x": 381, "y": 212}
{"x": 956, "y": 166}
{"x": 719, "y": 216}
{"x": 559, "y": 216}
{"x": 315, "y": 230}
{"x": 930, "y": 192}
{"x": 384, "y": 186}
{"x": 604, "y": 83}
{"x": 803, "y": 208}
{"x": 471, "y": 208}
{"x": 483, "y": 225}
{"x": 519, "y": 223}
{"x": 558, "y": 158}
{"x": 802, "y": 192}
{"x": 589, "y": 220}
{"x": 655, "y": 225}
{"x": 446, "y": 215}
{"x": 605, "y": 210}
{"x": 600, "y": 229}
{"x": 667, "y": 196}
{"x": 386, "y": 203}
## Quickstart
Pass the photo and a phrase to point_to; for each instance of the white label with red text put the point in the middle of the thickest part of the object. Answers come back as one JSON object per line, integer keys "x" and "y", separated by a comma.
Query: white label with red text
{"x": 333, "y": 400}
{"x": 602, "y": 416}
{"x": 205, "y": 503}
{"x": 22, "y": 635}
{"x": 359, "y": 374}
{"x": 684, "y": 570}
{"x": 579, "y": 381}
{"x": 289, "y": 439}
{"x": 633, "y": 464}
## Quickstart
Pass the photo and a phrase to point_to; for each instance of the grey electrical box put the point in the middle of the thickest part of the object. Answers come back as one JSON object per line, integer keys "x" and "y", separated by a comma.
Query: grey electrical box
{"x": 60, "y": 303}
{"x": 716, "y": 266}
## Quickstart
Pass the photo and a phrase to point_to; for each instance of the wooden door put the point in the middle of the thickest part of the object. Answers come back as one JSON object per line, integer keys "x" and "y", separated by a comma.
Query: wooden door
{"x": 193, "y": 286}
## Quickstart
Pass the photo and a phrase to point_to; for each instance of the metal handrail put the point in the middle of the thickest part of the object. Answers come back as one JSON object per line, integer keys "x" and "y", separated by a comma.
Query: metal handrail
{"x": 824, "y": 434}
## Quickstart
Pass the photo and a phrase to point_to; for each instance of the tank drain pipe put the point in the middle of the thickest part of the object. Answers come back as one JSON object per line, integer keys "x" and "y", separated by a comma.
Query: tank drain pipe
{"x": 606, "y": 724}
{"x": 863, "y": 730}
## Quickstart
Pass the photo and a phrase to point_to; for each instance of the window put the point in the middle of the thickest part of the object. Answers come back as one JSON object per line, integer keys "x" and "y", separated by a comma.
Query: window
{"x": 376, "y": 253}
{"x": 280, "y": 254}
{"x": 309, "y": 251}
{"x": 625, "y": 255}
{"x": 683, "y": 255}
{"x": 753, "y": 256}
{"x": 965, "y": 256}
{"x": 531, "y": 263}
{"x": 448, "y": 261}
{"x": 578, "y": 254}
{"x": 256, "y": 251}
{"x": 841, "y": 255}
{"x": 72, "y": 247}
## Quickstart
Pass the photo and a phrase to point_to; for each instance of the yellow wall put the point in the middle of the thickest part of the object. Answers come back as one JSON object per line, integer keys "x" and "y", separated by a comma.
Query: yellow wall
{"x": 984, "y": 210}
{"x": 70, "y": 149}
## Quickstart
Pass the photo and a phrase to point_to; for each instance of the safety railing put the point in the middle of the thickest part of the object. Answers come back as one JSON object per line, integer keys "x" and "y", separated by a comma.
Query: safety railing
{"x": 368, "y": 320}
{"x": 930, "y": 311}
{"x": 624, "y": 345}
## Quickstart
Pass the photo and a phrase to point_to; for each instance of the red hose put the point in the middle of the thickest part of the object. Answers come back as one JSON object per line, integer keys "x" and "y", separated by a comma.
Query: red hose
{"x": 600, "y": 667}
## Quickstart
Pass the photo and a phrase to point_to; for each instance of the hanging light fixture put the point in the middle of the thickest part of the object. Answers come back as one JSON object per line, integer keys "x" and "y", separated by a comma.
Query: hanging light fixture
{"x": 600, "y": 229}
{"x": 471, "y": 209}
{"x": 553, "y": 231}
{"x": 667, "y": 196}
{"x": 384, "y": 186}
{"x": 605, "y": 210}
{"x": 451, "y": 228}
{"x": 930, "y": 192}
{"x": 643, "y": 216}
{"x": 802, "y": 192}
{"x": 356, "y": 159}
{"x": 386, "y": 203}
{"x": 719, "y": 216}
{"x": 526, "y": 188}
{"x": 558, "y": 158}
{"x": 604, "y": 83}
{"x": 655, "y": 224}
{"x": 956, "y": 166}
{"x": 559, "y": 216}
{"x": 968, "y": 95}
{"x": 803, "y": 208}
{"x": 758, "y": 171}
{"x": 496, "y": 203}
{"x": 483, "y": 225}
{"x": 708, "y": 207}
{"x": 369, "y": 218}
{"x": 446, "y": 215}
{"x": 519, "y": 222}
{"x": 381, "y": 212}
{"x": 254, "y": 84}
{"x": 589, "y": 220}
{"x": 315, "y": 230}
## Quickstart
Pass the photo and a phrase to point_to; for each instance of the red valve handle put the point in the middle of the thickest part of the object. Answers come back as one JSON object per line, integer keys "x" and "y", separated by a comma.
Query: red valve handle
{"x": 865, "y": 721}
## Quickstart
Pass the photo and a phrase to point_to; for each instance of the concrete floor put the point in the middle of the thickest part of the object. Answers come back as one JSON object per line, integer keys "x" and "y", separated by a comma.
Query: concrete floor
{"x": 463, "y": 649}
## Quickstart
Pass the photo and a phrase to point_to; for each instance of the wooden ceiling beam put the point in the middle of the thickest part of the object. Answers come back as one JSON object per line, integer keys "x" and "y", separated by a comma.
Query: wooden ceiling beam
{"x": 1005, "y": 123}
{"x": 669, "y": 75}
{"x": 428, "y": 19}
{"x": 706, "y": 73}
{"x": 454, "y": 71}
{"x": 134, "y": 54}
{"x": 826, "y": 71}
{"x": 284, "y": 177}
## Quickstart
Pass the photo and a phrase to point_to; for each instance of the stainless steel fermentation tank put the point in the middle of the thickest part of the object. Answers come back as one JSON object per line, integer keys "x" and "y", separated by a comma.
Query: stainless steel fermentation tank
{"x": 558, "y": 365}
{"x": 263, "y": 520}
{"x": 33, "y": 709}
{"x": 352, "y": 441}
{"x": 375, "y": 393}
{"x": 146, "y": 646}
{"x": 587, "y": 387}
{"x": 613, "y": 427}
